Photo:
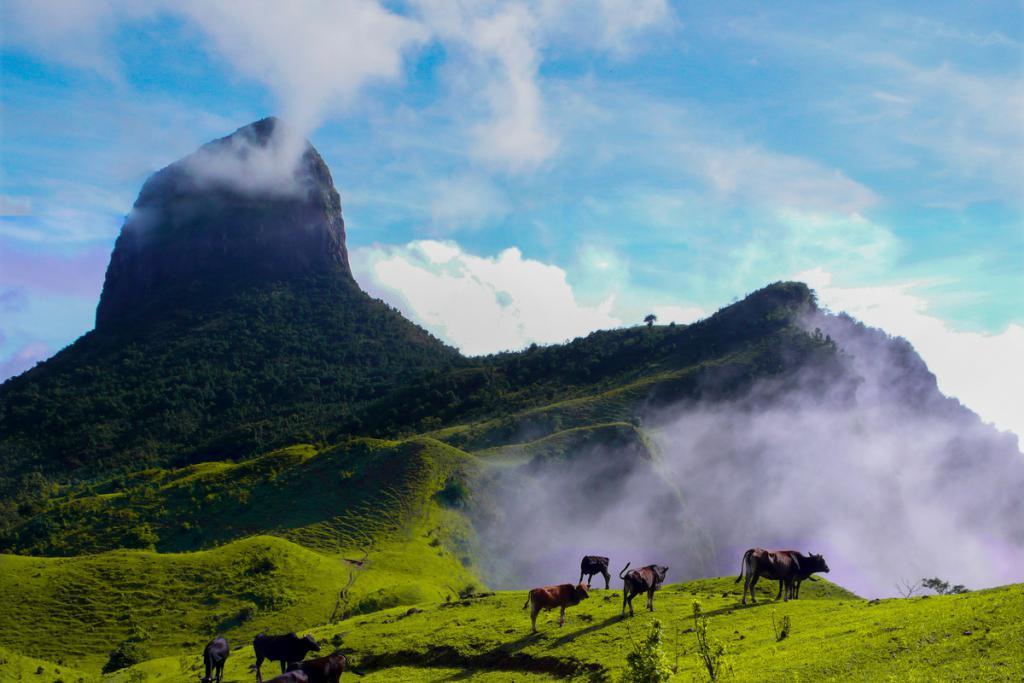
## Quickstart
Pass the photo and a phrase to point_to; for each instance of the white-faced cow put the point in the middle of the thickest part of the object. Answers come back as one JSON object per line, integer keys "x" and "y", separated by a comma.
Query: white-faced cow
{"x": 214, "y": 655}
{"x": 789, "y": 567}
{"x": 595, "y": 564}
{"x": 644, "y": 580}
{"x": 550, "y": 597}
{"x": 285, "y": 649}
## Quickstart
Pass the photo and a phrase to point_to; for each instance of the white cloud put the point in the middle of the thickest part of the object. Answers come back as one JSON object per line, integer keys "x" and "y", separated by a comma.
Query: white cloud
{"x": 683, "y": 315}
{"x": 761, "y": 176}
{"x": 480, "y": 304}
{"x": 11, "y": 205}
{"x": 622, "y": 21}
{"x": 466, "y": 201}
{"x": 498, "y": 61}
{"x": 315, "y": 55}
{"x": 982, "y": 370}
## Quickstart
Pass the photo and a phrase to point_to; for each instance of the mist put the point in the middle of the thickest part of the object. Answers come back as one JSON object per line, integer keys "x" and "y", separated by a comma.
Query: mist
{"x": 884, "y": 476}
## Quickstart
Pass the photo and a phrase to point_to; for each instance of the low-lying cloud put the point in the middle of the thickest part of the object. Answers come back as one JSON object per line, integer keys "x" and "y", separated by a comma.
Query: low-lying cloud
{"x": 882, "y": 475}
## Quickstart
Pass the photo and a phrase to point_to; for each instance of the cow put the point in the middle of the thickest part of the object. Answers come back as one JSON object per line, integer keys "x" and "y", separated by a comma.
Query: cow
{"x": 789, "y": 567}
{"x": 214, "y": 655}
{"x": 285, "y": 649}
{"x": 550, "y": 597}
{"x": 322, "y": 669}
{"x": 290, "y": 677}
{"x": 644, "y": 580}
{"x": 595, "y": 564}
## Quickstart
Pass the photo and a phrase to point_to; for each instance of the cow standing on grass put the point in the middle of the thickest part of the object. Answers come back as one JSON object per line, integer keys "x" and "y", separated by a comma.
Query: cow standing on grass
{"x": 285, "y": 649}
{"x": 322, "y": 669}
{"x": 550, "y": 597}
{"x": 789, "y": 567}
{"x": 644, "y": 580}
{"x": 595, "y": 564}
{"x": 214, "y": 655}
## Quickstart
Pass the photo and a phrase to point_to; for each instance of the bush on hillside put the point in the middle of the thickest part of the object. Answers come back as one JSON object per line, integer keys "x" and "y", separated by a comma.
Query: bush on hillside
{"x": 647, "y": 663}
{"x": 130, "y": 652}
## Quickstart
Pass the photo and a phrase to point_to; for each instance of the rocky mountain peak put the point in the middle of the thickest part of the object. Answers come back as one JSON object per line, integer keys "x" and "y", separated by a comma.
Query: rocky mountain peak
{"x": 256, "y": 206}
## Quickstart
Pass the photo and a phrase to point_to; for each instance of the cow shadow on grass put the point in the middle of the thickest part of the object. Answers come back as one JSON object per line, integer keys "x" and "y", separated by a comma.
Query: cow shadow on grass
{"x": 569, "y": 637}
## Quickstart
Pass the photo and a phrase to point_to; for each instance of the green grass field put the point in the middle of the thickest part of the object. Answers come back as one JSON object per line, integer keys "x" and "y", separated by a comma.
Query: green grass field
{"x": 835, "y": 636}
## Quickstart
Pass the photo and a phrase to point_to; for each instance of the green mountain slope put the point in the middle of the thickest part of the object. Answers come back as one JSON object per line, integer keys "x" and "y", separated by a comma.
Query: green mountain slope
{"x": 349, "y": 496}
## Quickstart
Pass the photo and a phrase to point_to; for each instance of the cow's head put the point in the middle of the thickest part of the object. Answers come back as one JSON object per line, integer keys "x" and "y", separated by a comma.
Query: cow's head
{"x": 581, "y": 592}
{"x": 816, "y": 563}
{"x": 311, "y": 643}
{"x": 659, "y": 574}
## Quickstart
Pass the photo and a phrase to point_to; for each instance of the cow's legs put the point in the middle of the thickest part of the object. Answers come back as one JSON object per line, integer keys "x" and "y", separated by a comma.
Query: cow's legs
{"x": 789, "y": 590}
{"x": 561, "y": 617}
{"x": 284, "y": 667}
{"x": 581, "y": 579}
{"x": 534, "y": 610}
{"x": 753, "y": 585}
{"x": 607, "y": 579}
{"x": 220, "y": 672}
{"x": 781, "y": 582}
{"x": 650, "y": 600}
{"x": 796, "y": 592}
{"x": 259, "y": 674}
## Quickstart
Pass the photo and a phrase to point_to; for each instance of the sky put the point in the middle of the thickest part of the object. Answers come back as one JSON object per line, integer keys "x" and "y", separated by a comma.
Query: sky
{"x": 529, "y": 171}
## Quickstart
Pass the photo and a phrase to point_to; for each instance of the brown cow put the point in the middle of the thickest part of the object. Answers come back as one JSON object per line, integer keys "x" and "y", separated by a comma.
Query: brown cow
{"x": 644, "y": 580}
{"x": 789, "y": 567}
{"x": 322, "y": 669}
{"x": 550, "y": 597}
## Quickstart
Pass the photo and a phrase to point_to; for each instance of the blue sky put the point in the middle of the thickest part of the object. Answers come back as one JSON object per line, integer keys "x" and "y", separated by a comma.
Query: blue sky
{"x": 528, "y": 171}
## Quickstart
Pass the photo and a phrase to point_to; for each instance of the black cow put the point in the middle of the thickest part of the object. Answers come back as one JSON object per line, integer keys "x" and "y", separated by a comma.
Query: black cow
{"x": 322, "y": 669}
{"x": 787, "y": 566}
{"x": 290, "y": 677}
{"x": 595, "y": 564}
{"x": 284, "y": 649}
{"x": 214, "y": 655}
{"x": 644, "y": 580}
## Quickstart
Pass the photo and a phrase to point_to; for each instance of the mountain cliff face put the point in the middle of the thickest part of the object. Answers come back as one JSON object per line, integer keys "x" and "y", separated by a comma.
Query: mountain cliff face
{"x": 223, "y": 218}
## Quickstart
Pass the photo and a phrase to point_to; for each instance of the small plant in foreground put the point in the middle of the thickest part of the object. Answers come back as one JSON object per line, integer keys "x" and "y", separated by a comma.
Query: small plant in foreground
{"x": 782, "y": 628}
{"x": 711, "y": 652}
{"x": 647, "y": 662}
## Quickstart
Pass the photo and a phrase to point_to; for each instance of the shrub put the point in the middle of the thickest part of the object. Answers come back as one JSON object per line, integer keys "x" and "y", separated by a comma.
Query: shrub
{"x": 647, "y": 662}
{"x": 782, "y": 628}
{"x": 131, "y": 651}
{"x": 710, "y": 651}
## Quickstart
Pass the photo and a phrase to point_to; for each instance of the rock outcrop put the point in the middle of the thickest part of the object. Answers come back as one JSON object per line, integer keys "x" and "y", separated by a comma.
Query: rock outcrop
{"x": 258, "y": 205}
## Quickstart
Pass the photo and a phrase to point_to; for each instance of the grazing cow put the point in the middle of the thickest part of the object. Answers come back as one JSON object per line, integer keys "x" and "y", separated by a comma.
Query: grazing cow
{"x": 290, "y": 677}
{"x": 214, "y": 655}
{"x": 789, "y": 567}
{"x": 550, "y": 597}
{"x": 595, "y": 564}
{"x": 322, "y": 669}
{"x": 285, "y": 649}
{"x": 644, "y": 580}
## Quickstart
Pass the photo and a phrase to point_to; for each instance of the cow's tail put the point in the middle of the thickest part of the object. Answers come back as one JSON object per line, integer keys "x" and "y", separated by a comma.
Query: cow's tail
{"x": 529, "y": 596}
{"x": 743, "y": 564}
{"x": 624, "y": 571}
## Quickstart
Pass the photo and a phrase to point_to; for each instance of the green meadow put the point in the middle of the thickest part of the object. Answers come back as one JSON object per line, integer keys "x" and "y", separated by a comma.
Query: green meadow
{"x": 834, "y": 636}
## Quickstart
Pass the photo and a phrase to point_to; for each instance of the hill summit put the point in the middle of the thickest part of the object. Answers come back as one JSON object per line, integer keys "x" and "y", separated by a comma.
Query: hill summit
{"x": 254, "y": 206}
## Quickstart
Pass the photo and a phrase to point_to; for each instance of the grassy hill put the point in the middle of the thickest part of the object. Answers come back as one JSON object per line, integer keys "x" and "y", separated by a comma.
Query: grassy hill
{"x": 348, "y": 497}
{"x": 834, "y": 635}
{"x": 373, "y": 521}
